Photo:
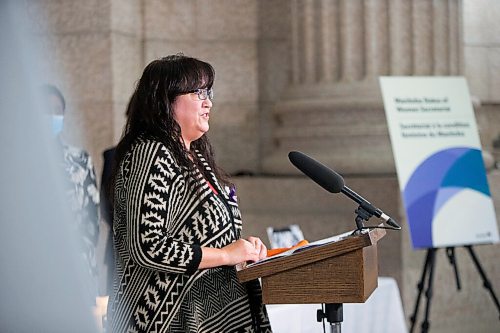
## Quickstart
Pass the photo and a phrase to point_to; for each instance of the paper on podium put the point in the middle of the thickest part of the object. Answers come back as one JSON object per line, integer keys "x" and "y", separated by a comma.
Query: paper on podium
{"x": 320, "y": 242}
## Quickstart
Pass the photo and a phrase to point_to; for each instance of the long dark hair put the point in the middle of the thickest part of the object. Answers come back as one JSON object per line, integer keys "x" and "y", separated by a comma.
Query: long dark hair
{"x": 150, "y": 113}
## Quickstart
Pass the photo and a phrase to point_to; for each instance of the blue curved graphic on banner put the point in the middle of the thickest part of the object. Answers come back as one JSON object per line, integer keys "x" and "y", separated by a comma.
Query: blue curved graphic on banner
{"x": 429, "y": 175}
{"x": 436, "y": 181}
{"x": 468, "y": 172}
{"x": 443, "y": 196}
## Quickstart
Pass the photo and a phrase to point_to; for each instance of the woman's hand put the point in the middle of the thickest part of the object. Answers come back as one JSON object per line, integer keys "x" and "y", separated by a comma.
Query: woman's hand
{"x": 237, "y": 252}
{"x": 244, "y": 250}
{"x": 259, "y": 246}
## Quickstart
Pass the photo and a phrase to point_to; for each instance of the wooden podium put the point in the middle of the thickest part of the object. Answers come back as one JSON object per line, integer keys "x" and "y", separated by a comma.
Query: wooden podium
{"x": 341, "y": 271}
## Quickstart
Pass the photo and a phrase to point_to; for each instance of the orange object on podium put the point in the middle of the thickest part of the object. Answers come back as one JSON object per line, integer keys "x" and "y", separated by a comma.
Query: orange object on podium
{"x": 273, "y": 252}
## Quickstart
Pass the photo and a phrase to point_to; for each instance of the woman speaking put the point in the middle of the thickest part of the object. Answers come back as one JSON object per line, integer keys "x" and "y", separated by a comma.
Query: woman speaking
{"x": 176, "y": 225}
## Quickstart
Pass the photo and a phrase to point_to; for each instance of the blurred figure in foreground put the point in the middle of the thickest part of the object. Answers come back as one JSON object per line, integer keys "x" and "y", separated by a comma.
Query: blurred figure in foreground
{"x": 42, "y": 280}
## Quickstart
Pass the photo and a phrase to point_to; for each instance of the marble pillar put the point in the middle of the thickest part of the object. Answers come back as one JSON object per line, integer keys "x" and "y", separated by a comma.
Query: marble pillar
{"x": 332, "y": 108}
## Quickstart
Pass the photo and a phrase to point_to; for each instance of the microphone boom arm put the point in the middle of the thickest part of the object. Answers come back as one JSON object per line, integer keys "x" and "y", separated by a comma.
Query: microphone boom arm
{"x": 367, "y": 210}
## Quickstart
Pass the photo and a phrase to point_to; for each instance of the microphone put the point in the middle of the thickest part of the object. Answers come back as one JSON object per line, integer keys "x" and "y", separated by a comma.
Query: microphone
{"x": 322, "y": 175}
{"x": 334, "y": 183}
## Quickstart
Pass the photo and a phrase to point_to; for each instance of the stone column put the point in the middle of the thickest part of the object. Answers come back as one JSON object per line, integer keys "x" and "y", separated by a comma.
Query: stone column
{"x": 332, "y": 108}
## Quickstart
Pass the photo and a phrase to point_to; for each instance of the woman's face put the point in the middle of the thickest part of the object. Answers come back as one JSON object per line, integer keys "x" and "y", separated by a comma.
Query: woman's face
{"x": 192, "y": 115}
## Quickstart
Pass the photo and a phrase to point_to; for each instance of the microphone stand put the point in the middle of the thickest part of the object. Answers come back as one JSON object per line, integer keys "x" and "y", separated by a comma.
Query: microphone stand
{"x": 333, "y": 312}
{"x": 364, "y": 211}
{"x": 361, "y": 215}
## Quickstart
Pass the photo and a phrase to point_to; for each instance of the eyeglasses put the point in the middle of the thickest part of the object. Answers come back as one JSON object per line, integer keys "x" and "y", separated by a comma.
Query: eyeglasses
{"x": 203, "y": 93}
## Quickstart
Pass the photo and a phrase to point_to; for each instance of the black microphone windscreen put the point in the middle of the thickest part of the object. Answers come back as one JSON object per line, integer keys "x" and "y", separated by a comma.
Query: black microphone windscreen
{"x": 321, "y": 174}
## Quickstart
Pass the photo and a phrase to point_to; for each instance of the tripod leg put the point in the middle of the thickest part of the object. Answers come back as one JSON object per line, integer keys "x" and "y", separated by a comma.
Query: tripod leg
{"x": 450, "y": 253}
{"x": 428, "y": 293}
{"x": 420, "y": 287}
{"x": 486, "y": 282}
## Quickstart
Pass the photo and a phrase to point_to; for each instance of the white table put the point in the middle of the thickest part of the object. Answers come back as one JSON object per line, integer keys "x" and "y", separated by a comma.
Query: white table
{"x": 381, "y": 313}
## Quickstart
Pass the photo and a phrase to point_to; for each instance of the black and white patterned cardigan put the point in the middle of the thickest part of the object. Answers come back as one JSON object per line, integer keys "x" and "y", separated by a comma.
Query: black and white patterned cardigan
{"x": 163, "y": 215}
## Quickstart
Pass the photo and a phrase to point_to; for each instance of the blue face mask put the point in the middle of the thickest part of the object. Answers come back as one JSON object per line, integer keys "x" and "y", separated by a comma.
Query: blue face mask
{"x": 57, "y": 124}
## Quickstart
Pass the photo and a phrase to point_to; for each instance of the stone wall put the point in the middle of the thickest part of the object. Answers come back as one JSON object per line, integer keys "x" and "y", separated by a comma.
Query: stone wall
{"x": 224, "y": 33}
{"x": 92, "y": 53}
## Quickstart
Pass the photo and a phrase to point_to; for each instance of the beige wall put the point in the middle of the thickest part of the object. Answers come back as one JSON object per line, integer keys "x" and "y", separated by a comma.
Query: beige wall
{"x": 93, "y": 54}
{"x": 97, "y": 50}
{"x": 482, "y": 66}
{"x": 223, "y": 33}
{"x": 482, "y": 48}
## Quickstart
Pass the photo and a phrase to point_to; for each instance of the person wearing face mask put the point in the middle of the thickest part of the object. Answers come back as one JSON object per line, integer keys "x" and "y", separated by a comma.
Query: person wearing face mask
{"x": 177, "y": 226}
{"x": 80, "y": 184}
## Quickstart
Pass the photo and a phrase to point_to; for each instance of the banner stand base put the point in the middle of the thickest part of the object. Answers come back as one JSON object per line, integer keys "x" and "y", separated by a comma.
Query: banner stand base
{"x": 427, "y": 277}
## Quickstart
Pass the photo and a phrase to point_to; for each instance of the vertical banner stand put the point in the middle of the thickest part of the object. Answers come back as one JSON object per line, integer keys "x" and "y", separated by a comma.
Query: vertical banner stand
{"x": 441, "y": 172}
